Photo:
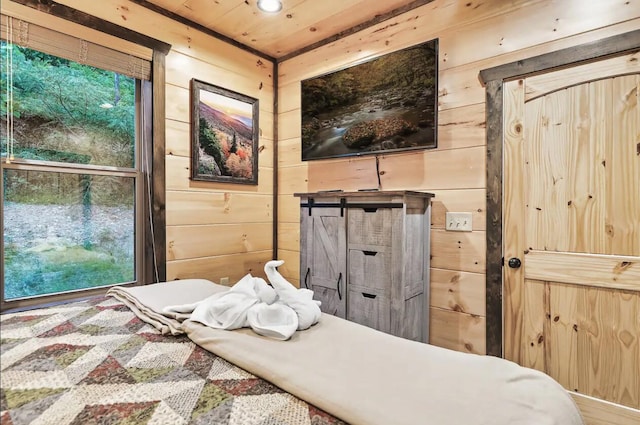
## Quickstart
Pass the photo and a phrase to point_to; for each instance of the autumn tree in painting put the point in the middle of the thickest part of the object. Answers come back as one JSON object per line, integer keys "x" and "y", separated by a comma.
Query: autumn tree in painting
{"x": 231, "y": 159}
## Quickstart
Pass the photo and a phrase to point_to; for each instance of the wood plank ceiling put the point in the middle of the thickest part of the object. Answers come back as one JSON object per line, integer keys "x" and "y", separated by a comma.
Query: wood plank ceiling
{"x": 300, "y": 26}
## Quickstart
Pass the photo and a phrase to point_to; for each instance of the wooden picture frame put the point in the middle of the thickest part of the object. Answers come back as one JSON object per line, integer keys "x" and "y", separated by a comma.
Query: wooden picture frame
{"x": 224, "y": 135}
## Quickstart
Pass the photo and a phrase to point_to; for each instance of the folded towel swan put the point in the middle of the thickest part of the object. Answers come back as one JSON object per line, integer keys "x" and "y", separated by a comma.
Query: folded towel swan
{"x": 275, "y": 312}
{"x": 300, "y": 300}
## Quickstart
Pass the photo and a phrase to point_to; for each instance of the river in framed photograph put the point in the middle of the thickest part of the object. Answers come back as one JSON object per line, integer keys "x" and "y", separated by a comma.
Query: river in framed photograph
{"x": 383, "y": 105}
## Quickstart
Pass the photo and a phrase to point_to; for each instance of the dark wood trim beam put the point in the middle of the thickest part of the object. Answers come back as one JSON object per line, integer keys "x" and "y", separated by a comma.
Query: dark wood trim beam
{"x": 494, "y": 106}
{"x": 146, "y": 205}
{"x": 610, "y": 46}
{"x": 158, "y": 174}
{"x": 164, "y": 12}
{"x": 90, "y": 21}
{"x": 371, "y": 22}
{"x": 275, "y": 162}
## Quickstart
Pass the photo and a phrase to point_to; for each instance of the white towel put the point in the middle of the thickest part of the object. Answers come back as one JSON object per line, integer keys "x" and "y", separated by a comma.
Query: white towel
{"x": 229, "y": 310}
{"x": 300, "y": 300}
{"x": 149, "y": 301}
{"x": 276, "y": 312}
{"x": 276, "y": 321}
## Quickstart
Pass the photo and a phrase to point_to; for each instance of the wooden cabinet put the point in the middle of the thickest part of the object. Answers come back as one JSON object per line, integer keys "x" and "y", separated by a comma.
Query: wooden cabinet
{"x": 366, "y": 257}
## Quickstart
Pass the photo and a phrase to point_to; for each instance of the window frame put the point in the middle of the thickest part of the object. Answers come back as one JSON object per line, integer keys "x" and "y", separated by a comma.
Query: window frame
{"x": 135, "y": 172}
{"x": 150, "y": 166}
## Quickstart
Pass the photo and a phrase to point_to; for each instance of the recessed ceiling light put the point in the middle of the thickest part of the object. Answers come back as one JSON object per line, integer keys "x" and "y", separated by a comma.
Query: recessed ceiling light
{"x": 270, "y": 6}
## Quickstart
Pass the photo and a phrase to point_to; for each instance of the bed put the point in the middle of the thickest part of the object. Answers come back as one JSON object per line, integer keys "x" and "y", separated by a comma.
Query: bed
{"x": 122, "y": 359}
{"x": 96, "y": 362}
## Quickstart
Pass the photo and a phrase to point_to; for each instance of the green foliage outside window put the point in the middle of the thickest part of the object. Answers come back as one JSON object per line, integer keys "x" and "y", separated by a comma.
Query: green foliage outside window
{"x": 67, "y": 230}
{"x": 54, "y": 96}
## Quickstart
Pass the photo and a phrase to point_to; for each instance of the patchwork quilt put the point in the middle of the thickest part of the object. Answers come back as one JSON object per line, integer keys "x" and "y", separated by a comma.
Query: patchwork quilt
{"x": 95, "y": 362}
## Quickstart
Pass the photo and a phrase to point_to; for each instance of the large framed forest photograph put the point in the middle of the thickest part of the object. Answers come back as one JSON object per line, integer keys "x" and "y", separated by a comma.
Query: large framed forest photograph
{"x": 381, "y": 105}
{"x": 224, "y": 133}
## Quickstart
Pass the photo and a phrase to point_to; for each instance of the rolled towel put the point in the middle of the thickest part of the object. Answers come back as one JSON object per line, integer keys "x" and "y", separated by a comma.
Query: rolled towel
{"x": 265, "y": 293}
{"x": 276, "y": 321}
{"x": 300, "y": 300}
{"x": 183, "y": 311}
{"x": 229, "y": 310}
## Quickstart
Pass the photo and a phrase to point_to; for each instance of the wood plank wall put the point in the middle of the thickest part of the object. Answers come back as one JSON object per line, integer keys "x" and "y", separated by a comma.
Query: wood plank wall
{"x": 213, "y": 230}
{"x": 474, "y": 35}
{"x": 216, "y": 230}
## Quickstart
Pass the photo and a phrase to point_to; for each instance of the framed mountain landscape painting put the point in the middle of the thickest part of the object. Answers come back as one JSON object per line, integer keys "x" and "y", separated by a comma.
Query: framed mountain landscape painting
{"x": 224, "y": 133}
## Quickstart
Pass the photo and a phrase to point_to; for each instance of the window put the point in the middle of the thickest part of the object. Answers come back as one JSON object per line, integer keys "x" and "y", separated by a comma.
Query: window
{"x": 73, "y": 189}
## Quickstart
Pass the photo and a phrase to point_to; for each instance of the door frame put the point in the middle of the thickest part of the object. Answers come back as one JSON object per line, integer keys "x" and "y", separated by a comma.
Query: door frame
{"x": 493, "y": 80}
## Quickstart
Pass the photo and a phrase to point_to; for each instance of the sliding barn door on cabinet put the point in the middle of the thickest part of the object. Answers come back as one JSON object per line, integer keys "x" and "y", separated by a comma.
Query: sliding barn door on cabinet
{"x": 366, "y": 257}
{"x": 323, "y": 257}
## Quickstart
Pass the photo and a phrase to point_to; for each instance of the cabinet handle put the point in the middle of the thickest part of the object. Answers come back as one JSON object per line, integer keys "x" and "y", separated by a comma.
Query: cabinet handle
{"x": 339, "y": 280}
{"x": 372, "y": 296}
{"x": 370, "y": 253}
{"x": 370, "y": 209}
{"x": 306, "y": 277}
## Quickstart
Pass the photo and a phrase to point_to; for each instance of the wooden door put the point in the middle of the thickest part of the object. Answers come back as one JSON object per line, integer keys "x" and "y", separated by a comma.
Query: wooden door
{"x": 572, "y": 218}
{"x": 323, "y": 260}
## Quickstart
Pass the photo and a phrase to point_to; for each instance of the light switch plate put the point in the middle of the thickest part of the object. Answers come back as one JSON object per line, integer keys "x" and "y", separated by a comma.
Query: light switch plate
{"x": 458, "y": 221}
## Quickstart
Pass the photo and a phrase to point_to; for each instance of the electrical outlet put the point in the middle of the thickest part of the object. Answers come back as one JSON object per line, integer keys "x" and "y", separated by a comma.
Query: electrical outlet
{"x": 458, "y": 222}
{"x": 224, "y": 281}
